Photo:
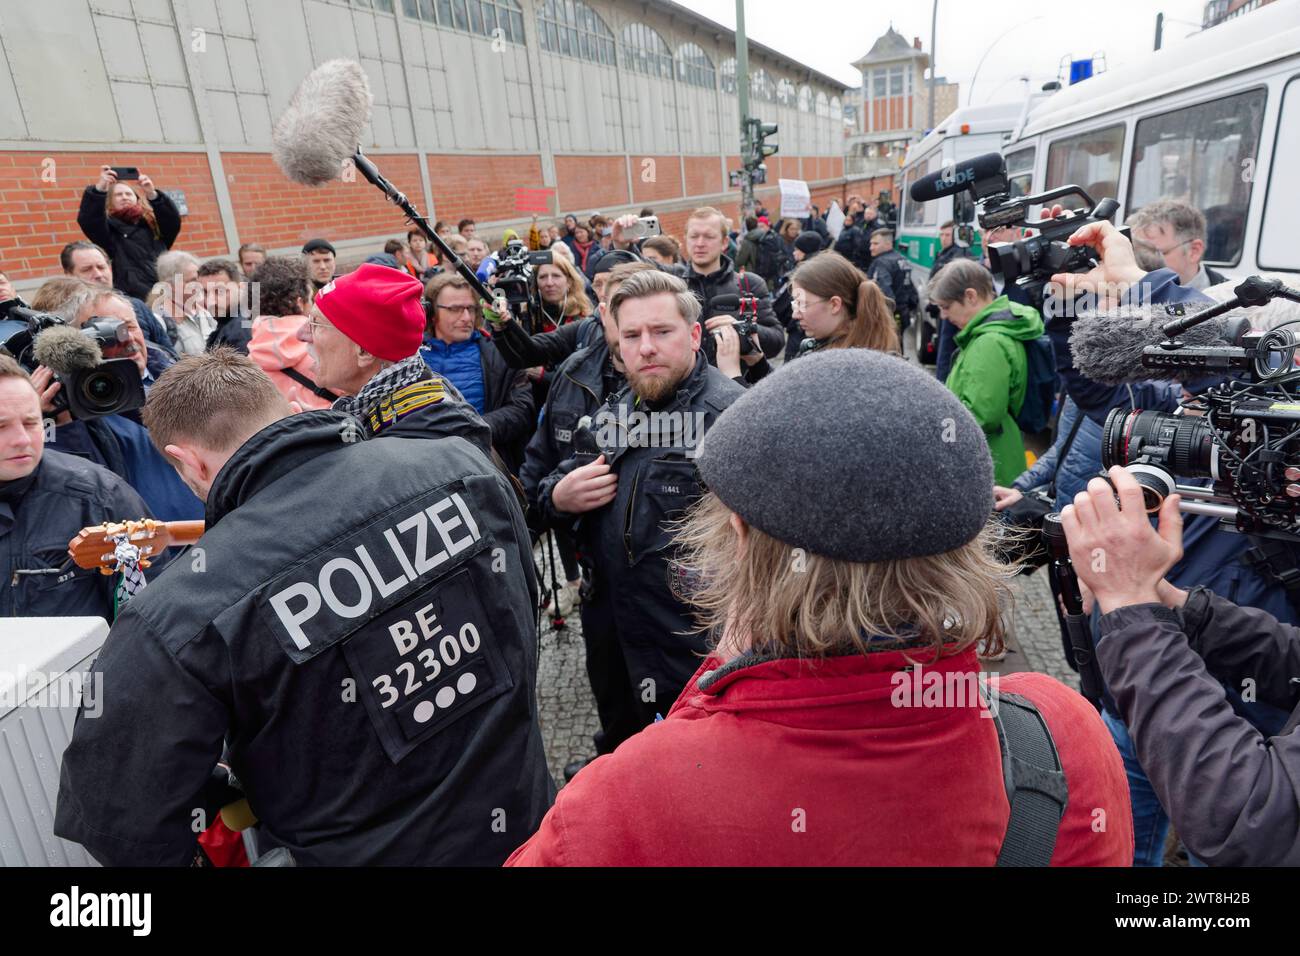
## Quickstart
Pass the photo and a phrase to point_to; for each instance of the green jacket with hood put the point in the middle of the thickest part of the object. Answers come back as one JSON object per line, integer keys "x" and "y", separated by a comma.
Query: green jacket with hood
{"x": 990, "y": 375}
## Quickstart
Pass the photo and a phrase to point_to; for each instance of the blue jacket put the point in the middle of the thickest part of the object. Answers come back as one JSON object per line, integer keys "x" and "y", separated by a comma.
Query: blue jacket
{"x": 124, "y": 448}
{"x": 459, "y": 364}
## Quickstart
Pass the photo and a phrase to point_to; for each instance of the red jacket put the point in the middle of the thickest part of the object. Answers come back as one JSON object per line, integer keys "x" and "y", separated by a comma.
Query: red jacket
{"x": 789, "y": 763}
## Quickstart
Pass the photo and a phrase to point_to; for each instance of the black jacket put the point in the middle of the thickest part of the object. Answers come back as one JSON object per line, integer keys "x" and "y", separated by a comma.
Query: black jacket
{"x": 132, "y": 248}
{"x": 725, "y": 281}
{"x": 363, "y": 645}
{"x": 1233, "y": 795}
{"x": 947, "y": 255}
{"x": 890, "y": 271}
{"x": 510, "y": 410}
{"x": 234, "y": 331}
{"x": 628, "y": 540}
{"x": 521, "y": 350}
{"x": 39, "y": 515}
{"x": 855, "y": 245}
{"x": 581, "y": 385}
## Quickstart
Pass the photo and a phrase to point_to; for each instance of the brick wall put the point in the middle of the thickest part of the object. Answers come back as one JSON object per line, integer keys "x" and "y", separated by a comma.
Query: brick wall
{"x": 481, "y": 187}
{"x": 655, "y": 177}
{"x": 703, "y": 175}
{"x": 275, "y": 212}
{"x": 40, "y": 194}
{"x": 590, "y": 182}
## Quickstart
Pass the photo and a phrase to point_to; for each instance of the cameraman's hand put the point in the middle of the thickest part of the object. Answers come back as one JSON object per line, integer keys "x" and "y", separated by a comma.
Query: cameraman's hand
{"x": 1005, "y": 497}
{"x": 586, "y": 488}
{"x": 1114, "y": 549}
{"x": 498, "y": 312}
{"x": 47, "y": 387}
{"x": 616, "y": 231}
{"x": 106, "y": 179}
{"x": 728, "y": 350}
{"x": 148, "y": 188}
{"x": 1116, "y": 271}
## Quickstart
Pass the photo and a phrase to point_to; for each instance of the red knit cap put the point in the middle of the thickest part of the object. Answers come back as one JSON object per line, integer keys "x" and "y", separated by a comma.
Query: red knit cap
{"x": 377, "y": 307}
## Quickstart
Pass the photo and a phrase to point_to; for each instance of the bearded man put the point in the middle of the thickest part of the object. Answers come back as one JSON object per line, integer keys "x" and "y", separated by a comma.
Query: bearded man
{"x": 644, "y": 478}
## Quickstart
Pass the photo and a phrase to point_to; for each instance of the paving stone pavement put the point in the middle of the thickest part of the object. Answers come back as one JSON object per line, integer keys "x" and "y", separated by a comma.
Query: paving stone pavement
{"x": 568, "y": 711}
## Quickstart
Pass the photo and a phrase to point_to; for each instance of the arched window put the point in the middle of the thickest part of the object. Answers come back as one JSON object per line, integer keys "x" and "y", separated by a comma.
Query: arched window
{"x": 823, "y": 105}
{"x": 645, "y": 51}
{"x": 761, "y": 86}
{"x": 837, "y": 108}
{"x": 694, "y": 66}
{"x": 571, "y": 28}
{"x": 728, "y": 73}
{"x": 785, "y": 92}
{"x": 489, "y": 18}
{"x": 805, "y": 99}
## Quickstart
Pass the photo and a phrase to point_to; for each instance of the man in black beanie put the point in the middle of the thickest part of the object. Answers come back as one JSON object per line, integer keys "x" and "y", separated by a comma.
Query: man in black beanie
{"x": 319, "y": 256}
{"x": 841, "y": 717}
{"x": 643, "y": 478}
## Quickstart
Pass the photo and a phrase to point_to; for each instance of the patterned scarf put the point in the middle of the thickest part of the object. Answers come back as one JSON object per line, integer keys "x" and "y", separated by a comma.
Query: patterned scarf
{"x": 394, "y": 393}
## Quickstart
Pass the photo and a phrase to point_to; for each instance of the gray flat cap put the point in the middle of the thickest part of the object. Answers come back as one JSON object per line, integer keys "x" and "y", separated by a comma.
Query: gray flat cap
{"x": 855, "y": 455}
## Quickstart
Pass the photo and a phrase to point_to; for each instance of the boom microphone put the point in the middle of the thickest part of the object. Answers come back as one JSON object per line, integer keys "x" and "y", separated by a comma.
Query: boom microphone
{"x": 1107, "y": 346}
{"x": 65, "y": 350}
{"x": 322, "y": 126}
{"x": 957, "y": 178}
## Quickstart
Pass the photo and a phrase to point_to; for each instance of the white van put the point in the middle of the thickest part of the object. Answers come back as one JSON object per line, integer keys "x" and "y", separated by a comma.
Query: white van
{"x": 1213, "y": 121}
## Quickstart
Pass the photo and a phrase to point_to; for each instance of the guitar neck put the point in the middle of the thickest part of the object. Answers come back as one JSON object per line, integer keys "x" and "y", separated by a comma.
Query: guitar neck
{"x": 184, "y": 532}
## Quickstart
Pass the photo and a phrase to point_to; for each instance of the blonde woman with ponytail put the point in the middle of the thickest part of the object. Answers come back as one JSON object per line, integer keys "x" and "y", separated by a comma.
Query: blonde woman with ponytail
{"x": 838, "y": 307}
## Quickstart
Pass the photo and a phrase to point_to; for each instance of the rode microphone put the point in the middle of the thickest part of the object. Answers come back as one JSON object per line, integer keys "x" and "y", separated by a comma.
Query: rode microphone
{"x": 966, "y": 175}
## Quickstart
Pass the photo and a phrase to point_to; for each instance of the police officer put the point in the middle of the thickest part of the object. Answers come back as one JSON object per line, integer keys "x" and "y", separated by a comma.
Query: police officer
{"x": 891, "y": 272}
{"x": 357, "y": 626}
{"x": 644, "y": 478}
{"x": 581, "y": 385}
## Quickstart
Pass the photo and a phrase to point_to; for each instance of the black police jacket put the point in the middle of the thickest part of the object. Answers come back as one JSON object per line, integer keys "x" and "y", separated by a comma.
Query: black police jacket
{"x": 581, "y": 385}
{"x": 39, "y": 515}
{"x": 725, "y": 281}
{"x": 357, "y": 627}
{"x": 628, "y": 540}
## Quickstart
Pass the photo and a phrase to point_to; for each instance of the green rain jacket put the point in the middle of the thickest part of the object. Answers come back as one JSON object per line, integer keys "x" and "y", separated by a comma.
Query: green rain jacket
{"x": 990, "y": 375}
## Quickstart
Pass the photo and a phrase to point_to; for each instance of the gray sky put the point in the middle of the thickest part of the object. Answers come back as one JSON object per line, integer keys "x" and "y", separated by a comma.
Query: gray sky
{"x": 830, "y": 34}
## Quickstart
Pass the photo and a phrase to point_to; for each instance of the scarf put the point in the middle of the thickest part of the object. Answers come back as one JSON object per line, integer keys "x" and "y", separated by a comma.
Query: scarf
{"x": 394, "y": 393}
{"x": 131, "y": 214}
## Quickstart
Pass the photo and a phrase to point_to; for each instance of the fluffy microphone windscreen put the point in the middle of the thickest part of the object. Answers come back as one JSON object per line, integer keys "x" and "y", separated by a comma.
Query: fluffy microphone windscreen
{"x": 66, "y": 350}
{"x": 1107, "y": 347}
{"x": 322, "y": 126}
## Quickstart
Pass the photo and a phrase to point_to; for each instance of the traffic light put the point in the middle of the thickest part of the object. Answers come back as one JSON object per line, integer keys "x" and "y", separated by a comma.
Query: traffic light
{"x": 759, "y": 131}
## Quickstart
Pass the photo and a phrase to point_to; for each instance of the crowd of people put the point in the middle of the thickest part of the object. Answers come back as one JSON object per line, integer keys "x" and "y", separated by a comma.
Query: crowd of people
{"x": 749, "y": 602}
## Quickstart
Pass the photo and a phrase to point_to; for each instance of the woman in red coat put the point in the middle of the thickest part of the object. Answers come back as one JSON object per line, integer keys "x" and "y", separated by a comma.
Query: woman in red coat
{"x": 841, "y": 558}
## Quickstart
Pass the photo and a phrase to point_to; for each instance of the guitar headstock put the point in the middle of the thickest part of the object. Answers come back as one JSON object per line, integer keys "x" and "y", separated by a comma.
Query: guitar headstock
{"x": 94, "y": 547}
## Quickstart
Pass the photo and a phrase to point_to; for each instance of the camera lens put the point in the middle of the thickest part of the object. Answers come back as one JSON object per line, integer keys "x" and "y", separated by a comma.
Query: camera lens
{"x": 1181, "y": 443}
{"x": 101, "y": 390}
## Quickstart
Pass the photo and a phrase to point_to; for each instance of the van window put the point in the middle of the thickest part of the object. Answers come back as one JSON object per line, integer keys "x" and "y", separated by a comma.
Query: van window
{"x": 1278, "y": 248}
{"x": 919, "y": 213}
{"x": 1020, "y": 171}
{"x": 1090, "y": 160}
{"x": 1202, "y": 155}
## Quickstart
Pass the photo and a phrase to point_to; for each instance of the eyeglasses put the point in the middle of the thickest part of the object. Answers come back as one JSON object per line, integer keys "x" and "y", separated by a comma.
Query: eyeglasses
{"x": 1165, "y": 252}
{"x": 462, "y": 309}
{"x": 316, "y": 326}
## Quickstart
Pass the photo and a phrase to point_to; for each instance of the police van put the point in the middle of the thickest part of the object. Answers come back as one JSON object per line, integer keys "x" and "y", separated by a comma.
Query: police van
{"x": 1213, "y": 121}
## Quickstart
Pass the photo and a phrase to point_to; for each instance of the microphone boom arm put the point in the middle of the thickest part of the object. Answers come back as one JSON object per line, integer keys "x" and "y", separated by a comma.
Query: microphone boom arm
{"x": 398, "y": 198}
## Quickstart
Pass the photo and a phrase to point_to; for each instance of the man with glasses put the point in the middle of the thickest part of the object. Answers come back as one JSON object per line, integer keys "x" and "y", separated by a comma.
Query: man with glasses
{"x": 364, "y": 331}
{"x": 1177, "y": 230}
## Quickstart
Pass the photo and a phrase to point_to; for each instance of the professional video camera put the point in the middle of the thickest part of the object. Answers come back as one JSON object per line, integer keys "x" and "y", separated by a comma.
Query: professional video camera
{"x": 1244, "y": 433}
{"x": 95, "y": 382}
{"x": 1027, "y": 263}
{"x": 514, "y": 275}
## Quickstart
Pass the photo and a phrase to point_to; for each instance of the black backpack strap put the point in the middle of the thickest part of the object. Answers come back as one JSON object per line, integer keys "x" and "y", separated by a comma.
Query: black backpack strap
{"x": 1275, "y": 561}
{"x": 308, "y": 384}
{"x": 1036, "y": 785}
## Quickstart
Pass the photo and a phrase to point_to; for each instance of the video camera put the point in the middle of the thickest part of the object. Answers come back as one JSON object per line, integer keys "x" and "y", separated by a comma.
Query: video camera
{"x": 1245, "y": 435}
{"x": 94, "y": 382}
{"x": 1027, "y": 263}
{"x": 514, "y": 276}
{"x": 744, "y": 309}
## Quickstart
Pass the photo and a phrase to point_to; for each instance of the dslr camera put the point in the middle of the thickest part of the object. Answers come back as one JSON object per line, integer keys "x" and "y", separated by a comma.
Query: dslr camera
{"x": 1243, "y": 433}
{"x": 93, "y": 386}
{"x": 744, "y": 309}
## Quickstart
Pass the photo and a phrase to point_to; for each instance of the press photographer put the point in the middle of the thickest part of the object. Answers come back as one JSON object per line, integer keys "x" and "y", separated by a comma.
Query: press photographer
{"x": 1165, "y": 653}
